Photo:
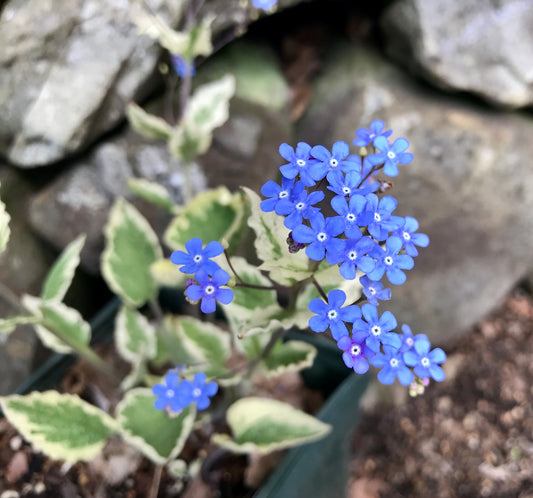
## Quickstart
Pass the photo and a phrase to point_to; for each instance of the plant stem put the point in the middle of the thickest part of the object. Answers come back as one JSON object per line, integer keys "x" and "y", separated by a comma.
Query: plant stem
{"x": 276, "y": 336}
{"x": 242, "y": 283}
{"x": 156, "y": 481}
{"x": 10, "y": 297}
{"x": 319, "y": 288}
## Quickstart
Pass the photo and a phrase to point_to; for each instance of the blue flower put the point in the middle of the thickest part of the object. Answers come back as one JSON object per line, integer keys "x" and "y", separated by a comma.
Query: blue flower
{"x": 411, "y": 239}
{"x": 393, "y": 366}
{"x": 363, "y": 136}
{"x": 374, "y": 290}
{"x": 182, "y": 66}
{"x": 377, "y": 216}
{"x": 197, "y": 258}
{"x": 392, "y": 155}
{"x": 170, "y": 394}
{"x": 209, "y": 289}
{"x": 389, "y": 261}
{"x": 198, "y": 391}
{"x": 320, "y": 236}
{"x": 408, "y": 340}
{"x": 332, "y": 314}
{"x": 264, "y": 4}
{"x": 277, "y": 193}
{"x": 378, "y": 329}
{"x": 299, "y": 162}
{"x": 425, "y": 363}
{"x": 328, "y": 161}
{"x": 349, "y": 213}
{"x": 356, "y": 353}
{"x": 299, "y": 206}
{"x": 353, "y": 257}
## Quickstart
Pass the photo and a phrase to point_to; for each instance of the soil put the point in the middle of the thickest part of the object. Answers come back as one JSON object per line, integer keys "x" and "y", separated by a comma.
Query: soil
{"x": 470, "y": 436}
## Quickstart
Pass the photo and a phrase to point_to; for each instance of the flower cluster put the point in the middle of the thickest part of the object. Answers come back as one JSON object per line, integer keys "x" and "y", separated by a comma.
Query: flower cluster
{"x": 210, "y": 278}
{"x": 364, "y": 237}
{"x": 175, "y": 394}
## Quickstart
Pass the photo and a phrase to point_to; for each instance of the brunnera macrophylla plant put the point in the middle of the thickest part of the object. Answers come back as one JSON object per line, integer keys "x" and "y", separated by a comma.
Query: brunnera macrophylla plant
{"x": 327, "y": 273}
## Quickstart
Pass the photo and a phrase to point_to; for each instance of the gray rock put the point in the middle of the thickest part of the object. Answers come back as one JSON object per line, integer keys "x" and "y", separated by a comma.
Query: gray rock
{"x": 469, "y": 186}
{"x": 244, "y": 152}
{"x": 68, "y": 69}
{"x": 483, "y": 47}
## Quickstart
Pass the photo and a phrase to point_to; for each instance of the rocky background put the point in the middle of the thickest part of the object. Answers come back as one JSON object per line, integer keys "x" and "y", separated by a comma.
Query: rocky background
{"x": 455, "y": 78}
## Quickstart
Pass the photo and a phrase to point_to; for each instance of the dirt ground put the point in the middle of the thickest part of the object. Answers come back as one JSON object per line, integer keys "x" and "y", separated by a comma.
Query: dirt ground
{"x": 470, "y": 436}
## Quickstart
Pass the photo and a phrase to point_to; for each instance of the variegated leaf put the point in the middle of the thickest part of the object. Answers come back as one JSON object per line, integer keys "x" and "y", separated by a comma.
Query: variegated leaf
{"x": 152, "y": 192}
{"x": 146, "y": 124}
{"x": 62, "y": 426}
{"x": 134, "y": 336}
{"x": 290, "y": 356}
{"x": 4, "y": 227}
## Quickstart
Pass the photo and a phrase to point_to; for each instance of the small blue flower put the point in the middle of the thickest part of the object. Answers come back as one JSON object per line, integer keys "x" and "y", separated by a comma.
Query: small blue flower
{"x": 320, "y": 236}
{"x": 182, "y": 66}
{"x": 349, "y": 213}
{"x": 377, "y": 216}
{"x": 392, "y": 155}
{"x": 378, "y": 329}
{"x": 389, "y": 261}
{"x": 363, "y": 137}
{"x": 374, "y": 290}
{"x": 298, "y": 207}
{"x": 332, "y": 314}
{"x": 426, "y": 363}
{"x": 197, "y": 258}
{"x": 277, "y": 193}
{"x": 356, "y": 353}
{"x": 328, "y": 161}
{"x": 264, "y": 4}
{"x": 393, "y": 366}
{"x": 408, "y": 340}
{"x": 299, "y": 162}
{"x": 353, "y": 257}
{"x": 198, "y": 391}
{"x": 411, "y": 239}
{"x": 169, "y": 394}
{"x": 209, "y": 290}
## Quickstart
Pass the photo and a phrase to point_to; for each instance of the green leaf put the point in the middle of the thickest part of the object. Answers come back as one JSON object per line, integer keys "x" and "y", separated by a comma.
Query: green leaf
{"x": 131, "y": 247}
{"x": 62, "y": 426}
{"x": 60, "y": 276}
{"x": 153, "y": 432}
{"x": 7, "y": 325}
{"x": 186, "y": 146}
{"x": 212, "y": 215}
{"x": 200, "y": 39}
{"x": 134, "y": 336}
{"x": 290, "y": 356}
{"x": 60, "y": 328}
{"x": 152, "y": 192}
{"x": 167, "y": 274}
{"x": 4, "y": 226}
{"x": 271, "y": 245}
{"x": 264, "y": 425}
{"x": 146, "y": 124}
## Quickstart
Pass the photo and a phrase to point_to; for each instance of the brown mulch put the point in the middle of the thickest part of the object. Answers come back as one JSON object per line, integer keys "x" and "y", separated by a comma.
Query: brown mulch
{"x": 470, "y": 436}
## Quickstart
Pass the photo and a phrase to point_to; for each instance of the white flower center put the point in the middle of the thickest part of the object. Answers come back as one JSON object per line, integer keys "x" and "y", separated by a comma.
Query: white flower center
{"x": 352, "y": 255}
{"x": 346, "y": 190}
{"x": 388, "y": 260}
{"x": 393, "y": 363}
{"x": 333, "y": 162}
{"x": 391, "y": 155}
{"x": 350, "y": 217}
{"x": 197, "y": 258}
{"x": 283, "y": 194}
{"x": 425, "y": 362}
{"x": 170, "y": 393}
{"x": 372, "y": 290}
{"x": 197, "y": 392}
{"x": 332, "y": 314}
{"x": 376, "y": 330}
{"x": 209, "y": 289}
{"x": 409, "y": 341}
{"x": 406, "y": 235}
{"x": 377, "y": 217}
{"x": 300, "y": 206}
{"x": 321, "y": 236}
{"x": 300, "y": 162}
{"x": 355, "y": 350}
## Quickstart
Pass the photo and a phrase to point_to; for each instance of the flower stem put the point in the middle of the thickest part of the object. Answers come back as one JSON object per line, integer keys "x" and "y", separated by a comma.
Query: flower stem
{"x": 319, "y": 288}
{"x": 156, "y": 481}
